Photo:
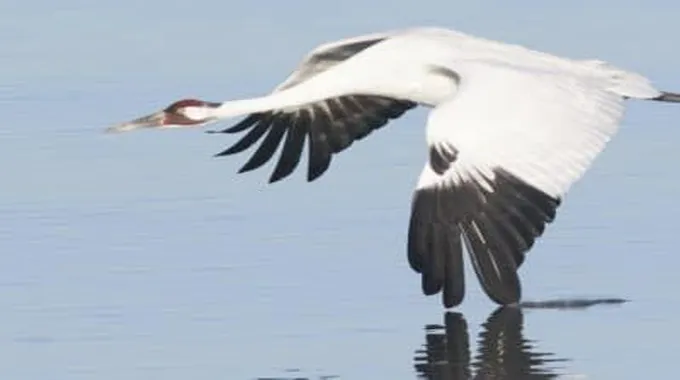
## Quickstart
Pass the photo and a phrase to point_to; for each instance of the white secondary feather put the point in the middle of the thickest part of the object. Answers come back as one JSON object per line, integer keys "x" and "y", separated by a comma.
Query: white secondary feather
{"x": 544, "y": 127}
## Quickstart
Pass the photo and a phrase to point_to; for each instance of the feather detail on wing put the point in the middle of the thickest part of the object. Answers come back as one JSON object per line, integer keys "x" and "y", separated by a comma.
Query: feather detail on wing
{"x": 503, "y": 152}
{"x": 329, "y": 127}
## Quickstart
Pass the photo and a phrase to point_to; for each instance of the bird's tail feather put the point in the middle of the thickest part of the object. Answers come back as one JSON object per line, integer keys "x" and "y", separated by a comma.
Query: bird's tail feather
{"x": 669, "y": 97}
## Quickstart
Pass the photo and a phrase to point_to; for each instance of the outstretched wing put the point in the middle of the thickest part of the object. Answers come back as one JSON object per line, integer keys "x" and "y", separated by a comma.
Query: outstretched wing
{"x": 503, "y": 152}
{"x": 329, "y": 126}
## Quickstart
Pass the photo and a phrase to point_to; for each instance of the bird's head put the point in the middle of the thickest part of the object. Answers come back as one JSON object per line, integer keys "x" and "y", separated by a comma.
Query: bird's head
{"x": 182, "y": 113}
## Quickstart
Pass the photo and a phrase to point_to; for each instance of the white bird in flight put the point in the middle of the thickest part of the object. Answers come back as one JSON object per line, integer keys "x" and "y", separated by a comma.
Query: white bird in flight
{"x": 509, "y": 131}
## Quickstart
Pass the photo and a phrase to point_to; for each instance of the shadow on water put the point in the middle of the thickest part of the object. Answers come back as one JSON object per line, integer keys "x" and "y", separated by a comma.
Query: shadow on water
{"x": 503, "y": 352}
{"x": 331, "y": 377}
{"x": 571, "y": 304}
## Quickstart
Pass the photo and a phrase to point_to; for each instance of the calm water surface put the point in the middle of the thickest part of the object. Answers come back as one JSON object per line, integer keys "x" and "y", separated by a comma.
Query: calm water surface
{"x": 139, "y": 256}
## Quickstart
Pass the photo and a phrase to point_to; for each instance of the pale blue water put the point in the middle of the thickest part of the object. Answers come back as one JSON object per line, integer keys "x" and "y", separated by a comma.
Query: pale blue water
{"x": 140, "y": 257}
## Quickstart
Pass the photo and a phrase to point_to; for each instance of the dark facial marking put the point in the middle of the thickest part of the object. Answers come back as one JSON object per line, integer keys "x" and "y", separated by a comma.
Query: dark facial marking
{"x": 190, "y": 103}
{"x": 174, "y": 117}
{"x": 178, "y": 119}
{"x": 184, "y": 103}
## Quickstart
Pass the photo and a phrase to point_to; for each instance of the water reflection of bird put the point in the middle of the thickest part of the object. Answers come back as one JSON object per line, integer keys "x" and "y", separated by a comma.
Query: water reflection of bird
{"x": 509, "y": 132}
{"x": 503, "y": 351}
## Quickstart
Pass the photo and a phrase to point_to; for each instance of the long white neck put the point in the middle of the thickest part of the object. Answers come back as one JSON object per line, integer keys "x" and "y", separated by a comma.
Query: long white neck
{"x": 297, "y": 96}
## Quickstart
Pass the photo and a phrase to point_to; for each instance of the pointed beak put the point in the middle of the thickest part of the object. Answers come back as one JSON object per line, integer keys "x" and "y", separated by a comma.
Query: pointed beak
{"x": 149, "y": 121}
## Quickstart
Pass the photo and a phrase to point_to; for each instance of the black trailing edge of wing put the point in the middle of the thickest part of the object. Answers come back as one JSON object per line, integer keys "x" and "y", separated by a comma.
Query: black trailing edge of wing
{"x": 497, "y": 227}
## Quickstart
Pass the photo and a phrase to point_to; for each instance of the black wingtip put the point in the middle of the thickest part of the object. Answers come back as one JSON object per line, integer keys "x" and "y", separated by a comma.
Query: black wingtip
{"x": 225, "y": 152}
{"x": 244, "y": 124}
{"x": 430, "y": 285}
{"x": 497, "y": 227}
{"x": 317, "y": 171}
{"x": 249, "y": 138}
{"x": 492, "y": 261}
{"x": 236, "y": 148}
{"x": 247, "y": 168}
{"x": 434, "y": 247}
{"x": 319, "y": 155}
{"x": 450, "y": 301}
{"x": 268, "y": 146}
{"x": 277, "y": 176}
{"x": 502, "y": 229}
